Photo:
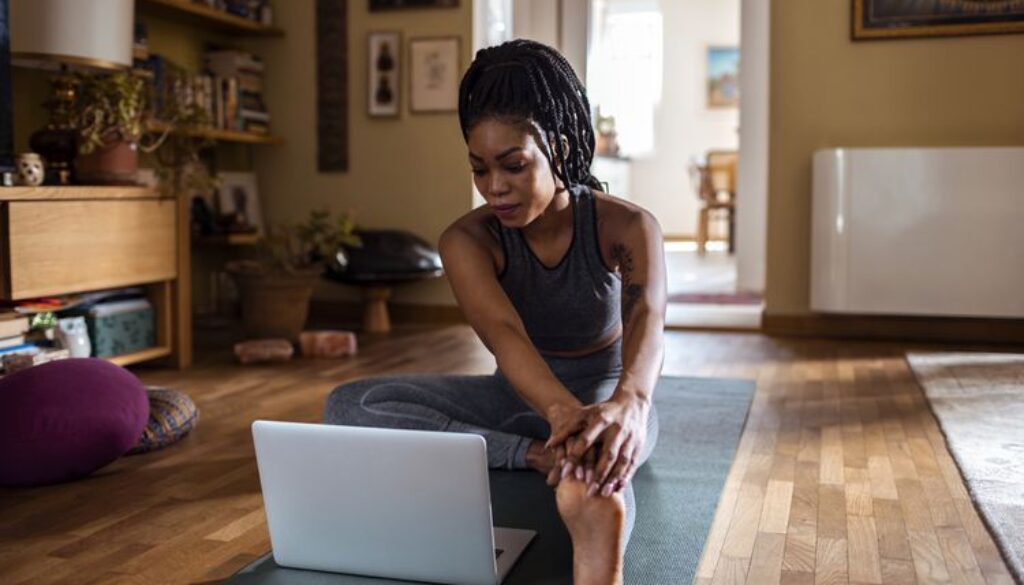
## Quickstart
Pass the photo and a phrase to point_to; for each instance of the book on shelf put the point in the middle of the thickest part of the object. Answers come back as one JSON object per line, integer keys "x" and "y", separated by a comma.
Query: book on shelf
{"x": 13, "y": 341}
{"x": 12, "y": 323}
{"x": 226, "y": 104}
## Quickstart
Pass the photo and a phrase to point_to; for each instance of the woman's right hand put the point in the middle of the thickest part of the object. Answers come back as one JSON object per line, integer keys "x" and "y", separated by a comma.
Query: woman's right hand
{"x": 566, "y": 420}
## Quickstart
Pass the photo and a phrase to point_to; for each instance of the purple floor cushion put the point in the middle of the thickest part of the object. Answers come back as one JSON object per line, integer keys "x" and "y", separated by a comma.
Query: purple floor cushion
{"x": 172, "y": 414}
{"x": 65, "y": 419}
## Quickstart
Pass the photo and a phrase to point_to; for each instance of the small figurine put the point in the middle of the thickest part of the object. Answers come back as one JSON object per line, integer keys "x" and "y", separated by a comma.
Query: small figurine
{"x": 30, "y": 169}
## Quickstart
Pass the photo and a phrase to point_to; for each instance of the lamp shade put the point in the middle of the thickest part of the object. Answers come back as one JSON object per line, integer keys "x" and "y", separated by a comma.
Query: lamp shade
{"x": 93, "y": 33}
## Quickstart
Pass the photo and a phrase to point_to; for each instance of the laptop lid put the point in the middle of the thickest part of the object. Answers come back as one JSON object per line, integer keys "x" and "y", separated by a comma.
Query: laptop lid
{"x": 378, "y": 502}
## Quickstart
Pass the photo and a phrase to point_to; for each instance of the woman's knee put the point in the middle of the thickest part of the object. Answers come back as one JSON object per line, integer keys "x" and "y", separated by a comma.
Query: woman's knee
{"x": 342, "y": 403}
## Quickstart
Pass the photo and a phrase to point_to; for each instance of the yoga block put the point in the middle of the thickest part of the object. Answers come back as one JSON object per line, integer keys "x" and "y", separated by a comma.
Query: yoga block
{"x": 327, "y": 344}
{"x": 264, "y": 350}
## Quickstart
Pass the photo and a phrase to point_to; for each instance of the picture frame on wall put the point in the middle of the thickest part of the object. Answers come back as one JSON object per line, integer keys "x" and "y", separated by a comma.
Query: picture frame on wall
{"x": 379, "y": 5}
{"x": 384, "y": 67}
{"x": 723, "y": 81}
{"x": 238, "y": 197}
{"x": 895, "y": 19}
{"x": 434, "y": 73}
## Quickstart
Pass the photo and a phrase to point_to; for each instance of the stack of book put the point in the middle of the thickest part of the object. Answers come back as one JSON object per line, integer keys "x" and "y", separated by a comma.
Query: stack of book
{"x": 13, "y": 327}
{"x": 258, "y": 10}
{"x": 238, "y": 91}
{"x": 174, "y": 90}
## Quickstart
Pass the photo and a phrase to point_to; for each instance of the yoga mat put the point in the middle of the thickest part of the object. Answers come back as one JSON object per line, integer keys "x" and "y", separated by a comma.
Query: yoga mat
{"x": 677, "y": 492}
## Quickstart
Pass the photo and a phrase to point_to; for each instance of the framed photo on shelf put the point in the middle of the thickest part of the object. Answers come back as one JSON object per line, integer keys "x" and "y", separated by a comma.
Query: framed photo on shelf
{"x": 378, "y": 5}
{"x": 384, "y": 68}
{"x": 238, "y": 202}
{"x": 891, "y": 19}
{"x": 723, "y": 81}
{"x": 434, "y": 75}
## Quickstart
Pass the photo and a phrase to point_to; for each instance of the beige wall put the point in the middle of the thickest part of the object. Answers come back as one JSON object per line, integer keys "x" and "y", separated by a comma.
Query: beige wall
{"x": 827, "y": 91}
{"x": 409, "y": 173}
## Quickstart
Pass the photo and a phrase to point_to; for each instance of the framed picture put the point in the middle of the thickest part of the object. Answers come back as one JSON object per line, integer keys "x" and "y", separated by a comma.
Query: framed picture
{"x": 378, "y": 5}
{"x": 891, "y": 19}
{"x": 723, "y": 77}
{"x": 434, "y": 74}
{"x": 238, "y": 201}
{"x": 384, "y": 69}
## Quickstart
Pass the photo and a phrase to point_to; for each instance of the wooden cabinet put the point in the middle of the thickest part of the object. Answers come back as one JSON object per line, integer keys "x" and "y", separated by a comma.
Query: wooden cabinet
{"x": 61, "y": 240}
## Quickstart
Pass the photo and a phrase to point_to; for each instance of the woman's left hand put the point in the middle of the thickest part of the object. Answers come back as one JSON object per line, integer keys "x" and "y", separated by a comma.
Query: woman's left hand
{"x": 619, "y": 429}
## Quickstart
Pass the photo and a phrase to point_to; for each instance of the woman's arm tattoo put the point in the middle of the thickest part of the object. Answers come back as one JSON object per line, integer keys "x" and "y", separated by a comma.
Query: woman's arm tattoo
{"x": 631, "y": 292}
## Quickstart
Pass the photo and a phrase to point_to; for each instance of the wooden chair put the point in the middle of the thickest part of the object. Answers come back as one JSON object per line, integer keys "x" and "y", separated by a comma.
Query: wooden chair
{"x": 716, "y": 188}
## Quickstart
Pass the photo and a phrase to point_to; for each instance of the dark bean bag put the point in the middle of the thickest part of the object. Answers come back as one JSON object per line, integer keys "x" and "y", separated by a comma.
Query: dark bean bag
{"x": 65, "y": 419}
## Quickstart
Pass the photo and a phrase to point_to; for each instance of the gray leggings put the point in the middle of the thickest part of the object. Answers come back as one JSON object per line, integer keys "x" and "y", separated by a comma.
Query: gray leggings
{"x": 483, "y": 405}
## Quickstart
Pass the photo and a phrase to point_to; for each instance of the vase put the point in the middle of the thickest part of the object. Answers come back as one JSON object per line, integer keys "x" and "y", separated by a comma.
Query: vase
{"x": 274, "y": 304}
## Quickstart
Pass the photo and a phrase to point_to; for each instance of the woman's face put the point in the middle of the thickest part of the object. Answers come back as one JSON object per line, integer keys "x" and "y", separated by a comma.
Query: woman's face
{"x": 511, "y": 171}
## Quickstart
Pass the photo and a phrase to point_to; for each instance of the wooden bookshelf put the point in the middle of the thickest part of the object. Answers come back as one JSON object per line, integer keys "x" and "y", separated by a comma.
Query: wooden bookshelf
{"x": 222, "y": 135}
{"x": 144, "y": 355}
{"x": 77, "y": 192}
{"x": 208, "y": 17}
{"x": 230, "y": 239}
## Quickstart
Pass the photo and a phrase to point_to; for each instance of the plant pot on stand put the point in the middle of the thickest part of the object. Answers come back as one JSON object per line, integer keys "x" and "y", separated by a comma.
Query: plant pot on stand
{"x": 274, "y": 303}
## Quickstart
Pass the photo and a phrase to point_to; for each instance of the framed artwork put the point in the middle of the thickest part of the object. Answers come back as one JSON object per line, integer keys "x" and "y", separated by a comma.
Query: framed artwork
{"x": 378, "y": 5}
{"x": 239, "y": 198}
{"x": 891, "y": 19}
{"x": 385, "y": 73}
{"x": 723, "y": 81}
{"x": 434, "y": 75}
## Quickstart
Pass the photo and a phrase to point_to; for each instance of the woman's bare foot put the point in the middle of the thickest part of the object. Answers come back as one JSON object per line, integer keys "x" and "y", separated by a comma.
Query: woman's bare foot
{"x": 540, "y": 458}
{"x": 595, "y": 524}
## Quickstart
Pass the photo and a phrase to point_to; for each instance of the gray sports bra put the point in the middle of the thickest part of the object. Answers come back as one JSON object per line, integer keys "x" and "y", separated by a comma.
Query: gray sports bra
{"x": 574, "y": 304}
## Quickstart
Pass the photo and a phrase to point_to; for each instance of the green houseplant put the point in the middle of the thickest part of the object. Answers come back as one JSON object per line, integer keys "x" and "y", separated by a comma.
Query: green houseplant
{"x": 110, "y": 115}
{"x": 275, "y": 286}
{"x": 114, "y": 119}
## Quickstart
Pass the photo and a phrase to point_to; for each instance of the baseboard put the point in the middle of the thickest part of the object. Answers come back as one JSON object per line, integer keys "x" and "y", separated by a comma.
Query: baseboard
{"x": 350, "y": 313}
{"x": 896, "y": 328}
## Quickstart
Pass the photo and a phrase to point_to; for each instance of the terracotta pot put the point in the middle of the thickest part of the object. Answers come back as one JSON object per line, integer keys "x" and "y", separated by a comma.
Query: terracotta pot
{"x": 114, "y": 163}
{"x": 274, "y": 304}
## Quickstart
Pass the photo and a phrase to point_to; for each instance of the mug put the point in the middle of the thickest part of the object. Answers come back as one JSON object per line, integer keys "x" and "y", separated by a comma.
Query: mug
{"x": 74, "y": 336}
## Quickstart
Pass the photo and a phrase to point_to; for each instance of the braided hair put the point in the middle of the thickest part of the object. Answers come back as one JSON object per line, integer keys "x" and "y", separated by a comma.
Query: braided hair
{"x": 528, "y": 82}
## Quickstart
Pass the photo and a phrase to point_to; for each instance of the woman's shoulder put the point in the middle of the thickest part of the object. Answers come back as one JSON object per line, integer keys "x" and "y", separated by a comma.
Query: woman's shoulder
{"x": 476, "y": 226}
{"x": 615, "y": 213}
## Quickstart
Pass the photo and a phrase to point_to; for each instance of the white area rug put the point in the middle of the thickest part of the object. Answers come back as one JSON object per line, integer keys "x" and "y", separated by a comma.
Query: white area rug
{"x": 979, "y": 401}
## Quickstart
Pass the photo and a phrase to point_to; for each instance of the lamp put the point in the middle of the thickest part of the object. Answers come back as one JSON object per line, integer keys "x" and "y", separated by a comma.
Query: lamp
{"x": 55, "y": 34}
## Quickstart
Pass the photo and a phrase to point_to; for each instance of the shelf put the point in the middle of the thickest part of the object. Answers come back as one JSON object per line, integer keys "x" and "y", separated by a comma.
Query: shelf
{"x": 77, "y": 192}
{"x": 139, "y": 356}
{"x": 206, "y": 16}
{"x": 230, "y": 239}
{"x": 220, "y": 135}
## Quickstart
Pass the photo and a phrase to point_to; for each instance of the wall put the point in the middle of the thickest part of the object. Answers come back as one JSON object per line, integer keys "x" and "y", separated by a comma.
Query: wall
{"x": 684, "y": 126}
{"x": 409, "y": 173}
{"x": 827, "y": 91}
{"x": 752, "y": 180}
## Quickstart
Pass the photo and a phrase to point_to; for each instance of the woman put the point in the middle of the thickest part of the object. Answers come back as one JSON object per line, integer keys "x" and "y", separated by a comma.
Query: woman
{"x": 565, "y": 286}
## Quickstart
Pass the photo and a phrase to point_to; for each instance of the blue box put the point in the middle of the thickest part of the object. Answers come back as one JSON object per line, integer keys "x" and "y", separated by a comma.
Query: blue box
{"x": 120, "y": 328}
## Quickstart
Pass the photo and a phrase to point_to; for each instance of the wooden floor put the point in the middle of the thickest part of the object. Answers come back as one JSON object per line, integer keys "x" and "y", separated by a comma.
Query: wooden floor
{"x": 841, "y": 476}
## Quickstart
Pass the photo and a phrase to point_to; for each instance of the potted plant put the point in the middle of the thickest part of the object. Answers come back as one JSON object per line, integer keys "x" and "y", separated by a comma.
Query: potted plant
{"x": 109, "y": 113}
{"x": 276, "y": 285}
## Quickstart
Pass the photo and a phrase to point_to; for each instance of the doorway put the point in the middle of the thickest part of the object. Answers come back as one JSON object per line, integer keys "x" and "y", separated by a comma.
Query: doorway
{"x": 686, "y": 96}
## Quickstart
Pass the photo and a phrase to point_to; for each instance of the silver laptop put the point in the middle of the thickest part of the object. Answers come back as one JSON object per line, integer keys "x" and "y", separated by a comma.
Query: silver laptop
{"x": 384, "y": 503}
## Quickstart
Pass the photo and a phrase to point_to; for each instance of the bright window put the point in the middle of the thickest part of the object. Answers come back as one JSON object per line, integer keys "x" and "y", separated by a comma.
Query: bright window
{"x": 625, "y": 69}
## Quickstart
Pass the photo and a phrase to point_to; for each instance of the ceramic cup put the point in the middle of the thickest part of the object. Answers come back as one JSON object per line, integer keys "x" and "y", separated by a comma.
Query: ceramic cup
{"x": 74, "y": 336}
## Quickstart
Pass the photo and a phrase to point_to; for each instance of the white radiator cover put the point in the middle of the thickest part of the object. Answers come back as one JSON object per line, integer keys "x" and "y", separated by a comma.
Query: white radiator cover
{"x": 918, "y": 231}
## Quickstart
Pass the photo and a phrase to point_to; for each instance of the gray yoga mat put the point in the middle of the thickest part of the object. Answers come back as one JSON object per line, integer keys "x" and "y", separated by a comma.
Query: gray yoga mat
{"x": 677, "y": 492}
